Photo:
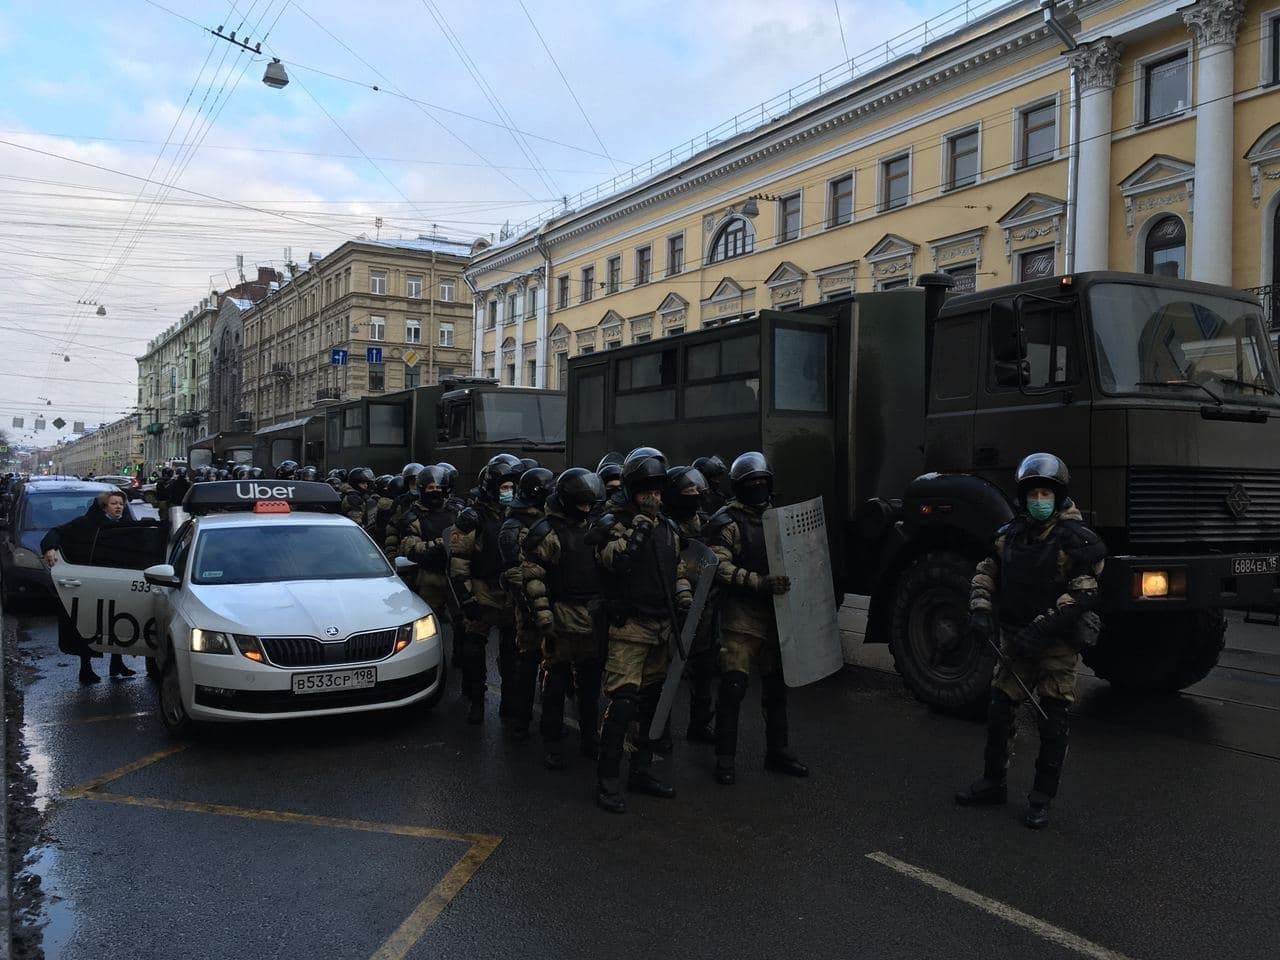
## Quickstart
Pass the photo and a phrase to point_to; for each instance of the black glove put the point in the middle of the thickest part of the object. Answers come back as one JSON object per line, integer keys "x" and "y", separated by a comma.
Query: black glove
{"x": 1029, "y": 641}
{"x": 981, "y": 625}
{"x": 471, "y": 608}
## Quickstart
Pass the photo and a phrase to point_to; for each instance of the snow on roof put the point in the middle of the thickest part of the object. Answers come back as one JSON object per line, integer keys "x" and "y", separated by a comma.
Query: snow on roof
{"x": 426, "y": 244}
{"x": 241, "y": 304}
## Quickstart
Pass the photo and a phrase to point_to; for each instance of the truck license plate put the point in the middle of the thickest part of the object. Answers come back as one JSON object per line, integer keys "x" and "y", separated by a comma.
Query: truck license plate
{"x": 1246, "y": 566}
{"x": 360, "y": 679}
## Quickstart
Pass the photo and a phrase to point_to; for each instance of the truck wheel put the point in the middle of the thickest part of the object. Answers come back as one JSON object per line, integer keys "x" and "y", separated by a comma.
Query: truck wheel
{"x": 939, "y": 664}
{"x": 1158, "y": 653}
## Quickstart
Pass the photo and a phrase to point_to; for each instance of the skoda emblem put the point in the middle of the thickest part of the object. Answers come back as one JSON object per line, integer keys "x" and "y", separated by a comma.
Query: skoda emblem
{"x": 1238, "y": 501}
{"x": 331, "y": 631}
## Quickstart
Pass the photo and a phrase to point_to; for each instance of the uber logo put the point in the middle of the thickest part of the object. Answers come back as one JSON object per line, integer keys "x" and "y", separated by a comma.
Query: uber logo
{"x": 107, "y": 628}
{"x": 260, "y": 491}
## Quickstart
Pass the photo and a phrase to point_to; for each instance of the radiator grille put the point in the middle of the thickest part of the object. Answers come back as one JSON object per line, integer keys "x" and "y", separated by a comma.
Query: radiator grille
{"x": 310, "y": 652}
{"x": 1229, "y": 508}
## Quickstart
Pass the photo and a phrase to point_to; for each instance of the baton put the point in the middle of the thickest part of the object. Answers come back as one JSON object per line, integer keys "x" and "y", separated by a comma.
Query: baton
{"x": 1008, "y": 666}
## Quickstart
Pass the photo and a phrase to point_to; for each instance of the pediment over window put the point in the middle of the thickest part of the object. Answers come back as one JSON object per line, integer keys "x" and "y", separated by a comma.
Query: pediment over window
{"x": 1161, "y": 182}
{"x": 1264, "y": 161}
{"x": 891, "y": 245}
{"x": 1157, "y": 173}
{"x": 785, "y": 272}
{"x": 1032, "y": 207}
{"x": 509, "y": 343}
{"x": 611, "y": 319}
{"x": 673, "y": 302}
{"x": 726, "y": 289}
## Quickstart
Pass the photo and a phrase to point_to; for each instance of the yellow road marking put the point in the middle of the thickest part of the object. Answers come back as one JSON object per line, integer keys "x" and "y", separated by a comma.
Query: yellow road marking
{"x": 98, "y": 782}
{"x": 398, "y": 945}
{"x": 84, "y": 720}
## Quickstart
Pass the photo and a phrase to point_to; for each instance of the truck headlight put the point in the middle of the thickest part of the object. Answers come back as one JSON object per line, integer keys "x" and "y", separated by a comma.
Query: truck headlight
{"x": 22, "y": 557}
{"x": 420, "y": 631}
{"x": 1155, "y": 583}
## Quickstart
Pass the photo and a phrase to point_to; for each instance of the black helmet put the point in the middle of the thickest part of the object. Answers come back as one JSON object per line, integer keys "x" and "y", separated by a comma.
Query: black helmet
{"x": 575, "y": 486}
{"x": 287, "y": 470}
{"x": 641, "y": 474}
{"x": 336, "y": 482}
{"x": 224, "y": 474}
{"x": 1043, "y": 470}
{"x": 746, "y": 476}
{"x": 534, "y": 485}
{"x": 610, "y": 473}
{"x": 528, "y": 463}
{"x": 450, "y": 474}
{"x": 361, "y": 477}
{"x": 684, "y": 492}
{"x": 179, "y": 471}
{"x": 382, "y": 484}
{"x": 166, "y": 473}
{"x": 504, "y": 468}
{"x": 711, "y": 467}
{"x": 256, "y": 473}
{"x": 396, "y": 488}
{"x": 336, "y": 472}
{"x": 641, "y": 453}
{"x": 433, "y": 474}
{"x": 611, "y": 457}
{"x": 309, "y": 472}
{"x": 410, "y": 473}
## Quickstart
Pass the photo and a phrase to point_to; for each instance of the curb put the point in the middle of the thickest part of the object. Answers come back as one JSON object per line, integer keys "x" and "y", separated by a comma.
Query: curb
{"x": 6, "y": 910}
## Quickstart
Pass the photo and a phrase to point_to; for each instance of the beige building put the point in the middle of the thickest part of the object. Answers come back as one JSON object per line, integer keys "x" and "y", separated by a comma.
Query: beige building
{"x": 400, "y": 297}
{"x": 173, "y": 385}
{"x": 111, "y": 449}
{"x": 996, "y": 145}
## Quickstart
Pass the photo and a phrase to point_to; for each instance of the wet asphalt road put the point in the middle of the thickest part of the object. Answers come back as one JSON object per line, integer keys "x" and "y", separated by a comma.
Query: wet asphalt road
{"x": 410, "y": 836}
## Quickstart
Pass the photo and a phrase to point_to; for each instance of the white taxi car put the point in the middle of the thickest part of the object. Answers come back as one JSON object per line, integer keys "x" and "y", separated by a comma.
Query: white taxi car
{"x": 267, "y": 607}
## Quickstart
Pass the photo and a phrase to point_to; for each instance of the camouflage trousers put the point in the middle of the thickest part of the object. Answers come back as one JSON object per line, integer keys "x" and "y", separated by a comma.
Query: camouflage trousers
{"x": 639, "y": 655}
{"x": 1052, "y": 674}
{"x": 738, "y": 651}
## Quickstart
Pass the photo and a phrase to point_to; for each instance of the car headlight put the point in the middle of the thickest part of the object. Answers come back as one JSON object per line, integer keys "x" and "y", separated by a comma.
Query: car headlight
{"x": 22, "y": 557}
{"x": 420, "y": 631}
{"x": 216, "y": 641}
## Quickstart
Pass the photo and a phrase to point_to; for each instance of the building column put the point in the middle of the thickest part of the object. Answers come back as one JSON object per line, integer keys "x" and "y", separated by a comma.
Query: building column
{"x": 477, "y": 333}
{"x": 518, "y": 322}
{"x": 540, "y": 351}
{"x": 1214, "y": 23}
{"x": 1097, "y": 65}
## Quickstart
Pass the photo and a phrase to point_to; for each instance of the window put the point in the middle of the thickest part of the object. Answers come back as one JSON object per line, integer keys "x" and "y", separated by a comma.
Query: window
{"x": 353, "y": 426}
{"x": 562, "y": 293}
{"x": 840, "y": 201}
{"x": 377, "y": 378}
{"x": 734, "y": 239}
{"x": 590, "y": 412}
{"x": 413, "y": 331}
{"x": 1037, "y": 133}
{"x": 413, "y": 287}
{"x": 613, "y": 276}
{"x": 443, "y": 373}
{"x": 446, "y": 291}
{"x": 1165, "y": 87}
{"x": 562, "y": 370}
{"x": 1165, "y": 254}
{"x": 966, "y": 278}
{"x": 723, "y": 377}
{"x": 673, "y": 331}
{"x": 646, "y": 388}
{"x": 532, "y": 373}
{"x": 377, "y": 328}
{"x": 412, "y": 377}
{"x": 510, "y": 316}
{"x": 1049, "y": 335}
{"x": 263, "y": 553}
{"x": 531, "y": 302}
{"x": 446, "y": 334}
{"x": 897, "y": 284}
{"x": 378, "y": 282}
{"x": 789, "y": 218}
{"x": 588, "y": 283}
{"x": 644, "y": 265}
{"x": 492, "y": 321}
{"x": 1034, "y": 264}
{"x": 511, "y": 374}
{"x": 642, "y": 338}
{"x": 1273, "y": 28}
{"x": 895, "y": 182}
{"x": 962, "y": 159}
{"x": 801, "y": 379}
{"x": 675, "y": 255}
{"x": 387, "y": 424}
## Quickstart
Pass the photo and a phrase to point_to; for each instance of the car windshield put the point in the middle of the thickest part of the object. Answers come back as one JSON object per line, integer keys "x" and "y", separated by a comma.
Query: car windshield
{"x": 44, "y": 511}
{"x": 1166, "y": 342}
{"x": 268, "y": 554}
{"x": 503, "y": 416}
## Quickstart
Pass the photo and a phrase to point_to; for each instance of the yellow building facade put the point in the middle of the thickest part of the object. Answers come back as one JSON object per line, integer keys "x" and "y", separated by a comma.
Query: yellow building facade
{"x": 1136, "y": 136}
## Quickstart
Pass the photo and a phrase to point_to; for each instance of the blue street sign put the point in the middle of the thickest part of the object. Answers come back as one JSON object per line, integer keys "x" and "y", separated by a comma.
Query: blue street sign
{"x": 338, "y": 358}
{"x": 373, "y": 354}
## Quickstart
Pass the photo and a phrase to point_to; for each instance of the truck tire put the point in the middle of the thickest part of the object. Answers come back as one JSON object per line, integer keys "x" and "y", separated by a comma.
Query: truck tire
{"x": 1158, "y": 653}
{"x": 940, "y": 665}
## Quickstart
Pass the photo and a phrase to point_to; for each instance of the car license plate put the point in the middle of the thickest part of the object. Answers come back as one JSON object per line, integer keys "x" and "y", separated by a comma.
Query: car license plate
{"x": 360, "y": 679}
{"x": 1246, "y": 566}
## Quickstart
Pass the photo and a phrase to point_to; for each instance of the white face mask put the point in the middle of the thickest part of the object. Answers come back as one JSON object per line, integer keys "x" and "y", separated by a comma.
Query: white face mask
{"x": 506, "y": 496}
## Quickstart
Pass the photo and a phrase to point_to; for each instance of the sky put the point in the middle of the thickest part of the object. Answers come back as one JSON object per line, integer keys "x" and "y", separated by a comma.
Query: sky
{"x": 140, "y": 154}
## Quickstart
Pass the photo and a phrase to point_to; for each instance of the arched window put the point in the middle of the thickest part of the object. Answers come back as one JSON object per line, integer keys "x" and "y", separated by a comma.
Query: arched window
{"x": 736, "y": 238}
{"x": 1166, "y": 248}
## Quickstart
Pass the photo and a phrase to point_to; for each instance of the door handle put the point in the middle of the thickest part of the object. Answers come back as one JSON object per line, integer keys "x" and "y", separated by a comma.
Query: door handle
{"x": 68, "y": 583}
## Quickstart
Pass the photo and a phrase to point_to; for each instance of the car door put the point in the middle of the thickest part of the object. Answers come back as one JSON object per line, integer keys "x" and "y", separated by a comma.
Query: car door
{"x": 103, "y": 591}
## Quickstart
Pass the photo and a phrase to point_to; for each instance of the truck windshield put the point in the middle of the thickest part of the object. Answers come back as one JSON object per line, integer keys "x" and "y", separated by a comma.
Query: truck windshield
{"x": 269, "y": 554}
{"x": 200, "y": 457}
{"x": 503, "y": 416}
{"x": 1158, "y": 341}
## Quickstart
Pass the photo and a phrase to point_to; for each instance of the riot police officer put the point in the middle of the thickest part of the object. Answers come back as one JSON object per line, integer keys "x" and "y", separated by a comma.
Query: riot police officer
{"x": 1035, "y": 594}
{"x": 610, "y": 475}
{"x": 287, "y": 470}
{"x": 561, "y": 584}
{"x": 748, "y": 626}
{"x": 387, "y": 513}
{"x": 355, "y": 501}
{"x": 714, "y": 470}
{"x": 640, "y": 553}
{"x": 475, "y": 565}
{"x": 522, "y": 673}
{"x": 421, "y": 539}
{"x": 451, "y": 476}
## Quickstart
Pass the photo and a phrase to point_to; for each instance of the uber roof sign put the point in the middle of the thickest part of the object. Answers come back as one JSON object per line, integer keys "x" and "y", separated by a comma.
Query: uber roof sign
{"x": 222, "y": 495}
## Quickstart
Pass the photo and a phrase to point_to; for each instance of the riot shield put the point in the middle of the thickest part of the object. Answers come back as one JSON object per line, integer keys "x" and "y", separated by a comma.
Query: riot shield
{"x": 808, "y": 626}
{"x": 697, "y": 556}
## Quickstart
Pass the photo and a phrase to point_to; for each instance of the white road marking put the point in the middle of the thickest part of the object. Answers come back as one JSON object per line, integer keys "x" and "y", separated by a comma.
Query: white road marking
{"x": 1040, "y": 928}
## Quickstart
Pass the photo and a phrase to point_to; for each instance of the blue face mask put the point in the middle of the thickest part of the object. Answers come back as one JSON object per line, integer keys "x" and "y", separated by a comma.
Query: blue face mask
{"x": 506, "y": 496}
{"x": 1040, "y": 509}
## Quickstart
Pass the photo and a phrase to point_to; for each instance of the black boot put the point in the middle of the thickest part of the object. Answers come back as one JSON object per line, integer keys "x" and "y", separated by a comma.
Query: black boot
{"x": 984, "y": 793}
{"x": 644, "y": 780}
{"x": 733, "y": 687}
{"x": 524, "y": 682}
{"x": 778, "y": 756}
{"x": 555, "y": 681}
{"x": 993, "y": 788}
{"x": 1037, "y": 815}
{"x": 701, "y": 667}
{"x": 609, "y": 796}
{"x": 87, "y": 676}
{"x": 473, "y": 682}
{"x": 475, "y": 712}
{"x": 726, "y": 771}
{"x": 620, "y": 711}
{"x": 552, "y": 756}
{"x": 664, "y": 744}
{"x": 1055, "y": 732}
{"x": 118, "y": 669}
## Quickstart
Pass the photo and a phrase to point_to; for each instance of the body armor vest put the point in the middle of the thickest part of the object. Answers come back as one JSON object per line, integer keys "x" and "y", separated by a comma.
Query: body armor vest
{"x": 752, "y": 554}
{"x": 576, "y": 579}
{"x": 486, "y": 562}
{"x": 1029, "y": 580}
{"x": 648, "y": 588}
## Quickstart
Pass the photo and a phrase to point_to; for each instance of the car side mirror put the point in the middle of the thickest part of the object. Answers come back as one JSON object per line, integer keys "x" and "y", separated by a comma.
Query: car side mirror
{"x": 1006, "y": 332}
{"x": 1013, "y": 373}
{"x": 404, "y": 563}
{"x": 162, "y": 575}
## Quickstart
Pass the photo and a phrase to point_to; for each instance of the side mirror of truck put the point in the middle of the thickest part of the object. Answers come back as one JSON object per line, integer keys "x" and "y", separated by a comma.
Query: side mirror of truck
{"x": 1006, "y": 332}
{"x": 1013, "y": 373}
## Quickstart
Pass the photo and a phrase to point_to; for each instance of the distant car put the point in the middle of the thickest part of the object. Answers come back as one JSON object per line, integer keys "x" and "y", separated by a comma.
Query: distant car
{"x": 125, "y": 483}
{"x": 266, "y": 608}
{"x": 37, "y": 506}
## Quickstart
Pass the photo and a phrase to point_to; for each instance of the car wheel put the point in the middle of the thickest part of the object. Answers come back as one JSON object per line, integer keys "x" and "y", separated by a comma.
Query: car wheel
{"x": 172, "y": 712}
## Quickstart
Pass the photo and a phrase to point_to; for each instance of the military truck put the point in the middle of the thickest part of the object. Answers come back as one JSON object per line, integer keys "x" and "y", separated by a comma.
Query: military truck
{"x": 224, "y": 447}
{"x": 464, "y": 421}
{"x": 908, "y": 411}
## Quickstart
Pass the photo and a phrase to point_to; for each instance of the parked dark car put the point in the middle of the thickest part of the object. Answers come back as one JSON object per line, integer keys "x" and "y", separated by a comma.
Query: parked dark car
{"x": 125, "y": 482}
{"x": 36, "y": 507}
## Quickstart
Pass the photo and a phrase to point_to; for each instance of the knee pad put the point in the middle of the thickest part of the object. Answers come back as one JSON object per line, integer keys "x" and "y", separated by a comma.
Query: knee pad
{"x": 1058, "y": 726}
{"x": 733, "y": 686}
{"x": 623, "y": 706}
